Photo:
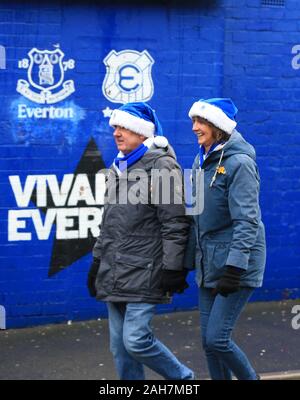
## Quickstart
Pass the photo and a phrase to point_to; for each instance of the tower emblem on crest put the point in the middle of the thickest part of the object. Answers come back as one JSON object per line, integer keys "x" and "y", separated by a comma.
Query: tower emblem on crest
{"x": 45, "y": 74}
{"x": 128, "y": 76}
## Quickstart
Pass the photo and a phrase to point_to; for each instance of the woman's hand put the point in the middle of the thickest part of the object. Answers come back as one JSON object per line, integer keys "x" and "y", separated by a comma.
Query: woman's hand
{"x": 229, "y": 281}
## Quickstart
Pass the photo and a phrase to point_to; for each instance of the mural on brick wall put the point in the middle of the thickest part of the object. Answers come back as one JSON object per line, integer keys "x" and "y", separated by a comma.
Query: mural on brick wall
{"x": 45, "y": 94}
{"x": 72, "y": 206}
{"x": 59, "y": 143}
{"x": 128, "y": 76}
{"x": 64, "y": 68}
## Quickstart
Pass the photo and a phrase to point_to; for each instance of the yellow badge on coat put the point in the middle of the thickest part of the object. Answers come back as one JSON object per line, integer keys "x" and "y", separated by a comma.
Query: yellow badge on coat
{"x": 221, "y": 170}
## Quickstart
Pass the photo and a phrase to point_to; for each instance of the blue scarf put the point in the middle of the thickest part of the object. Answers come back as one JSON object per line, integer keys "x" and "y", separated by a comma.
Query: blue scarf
{"x": 121, "y": 162}
{"x": 202, "y": 153}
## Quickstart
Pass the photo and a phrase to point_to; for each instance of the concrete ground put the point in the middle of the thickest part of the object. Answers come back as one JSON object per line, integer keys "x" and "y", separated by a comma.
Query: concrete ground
{"x": 80, "y": 351}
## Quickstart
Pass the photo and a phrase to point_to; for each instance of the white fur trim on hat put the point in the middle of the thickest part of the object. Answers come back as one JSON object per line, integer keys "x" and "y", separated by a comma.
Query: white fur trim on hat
{"x": 133, "y": 123}
{"x": 212, "y": 114}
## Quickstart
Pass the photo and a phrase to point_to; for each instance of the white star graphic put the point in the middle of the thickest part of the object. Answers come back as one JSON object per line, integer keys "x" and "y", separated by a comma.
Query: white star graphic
{"x": 107, "y": 112}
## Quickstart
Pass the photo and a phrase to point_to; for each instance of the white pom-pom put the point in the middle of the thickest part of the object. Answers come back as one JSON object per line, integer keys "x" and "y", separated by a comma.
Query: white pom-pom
{"x": 161, "y": 141}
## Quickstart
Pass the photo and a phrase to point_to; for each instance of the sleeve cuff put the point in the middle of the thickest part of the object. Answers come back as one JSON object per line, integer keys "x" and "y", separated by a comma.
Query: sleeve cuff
{"x": 238, "y": 259}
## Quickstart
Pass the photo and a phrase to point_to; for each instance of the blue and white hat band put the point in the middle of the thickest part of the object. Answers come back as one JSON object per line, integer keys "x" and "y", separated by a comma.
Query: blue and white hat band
{"x": 213, "y": 114}
{"x": 133, "y": 123}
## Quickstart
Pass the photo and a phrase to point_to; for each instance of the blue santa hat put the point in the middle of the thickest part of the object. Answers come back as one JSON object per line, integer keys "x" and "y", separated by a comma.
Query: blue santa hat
{"x": 220, "y": 112}
{"x": 138, "y": 117}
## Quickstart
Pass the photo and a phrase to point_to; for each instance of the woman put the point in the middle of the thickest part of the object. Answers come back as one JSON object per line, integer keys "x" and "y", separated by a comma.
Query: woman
{"x": 227, "y": 242}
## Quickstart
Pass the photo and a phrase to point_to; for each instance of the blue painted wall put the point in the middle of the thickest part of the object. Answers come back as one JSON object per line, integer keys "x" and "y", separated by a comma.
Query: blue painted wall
{"x": 262, "y": 74}
{"x": 52, "y": 144}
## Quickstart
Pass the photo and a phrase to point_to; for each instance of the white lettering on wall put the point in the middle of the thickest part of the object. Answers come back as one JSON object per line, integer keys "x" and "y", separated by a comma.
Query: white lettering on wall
{"x": 71, "y": 222}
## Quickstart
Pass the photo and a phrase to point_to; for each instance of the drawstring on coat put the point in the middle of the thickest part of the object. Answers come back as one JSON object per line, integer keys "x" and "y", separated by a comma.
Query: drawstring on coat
{"x": 216, "y": 171}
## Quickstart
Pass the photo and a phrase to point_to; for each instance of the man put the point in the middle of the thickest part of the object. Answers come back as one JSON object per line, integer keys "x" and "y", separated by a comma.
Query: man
{"x": 138, "y": 257}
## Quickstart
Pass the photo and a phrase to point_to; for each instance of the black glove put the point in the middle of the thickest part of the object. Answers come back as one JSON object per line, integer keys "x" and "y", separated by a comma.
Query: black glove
{"x": 229, "y": 281}
{"x": 173, "y": 281}
{"x": 92, "y": 276}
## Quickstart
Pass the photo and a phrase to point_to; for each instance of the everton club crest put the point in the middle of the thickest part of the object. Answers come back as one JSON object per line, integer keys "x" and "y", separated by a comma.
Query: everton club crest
{"x": 128, "y": 76}
{"x": 45, "y": 76}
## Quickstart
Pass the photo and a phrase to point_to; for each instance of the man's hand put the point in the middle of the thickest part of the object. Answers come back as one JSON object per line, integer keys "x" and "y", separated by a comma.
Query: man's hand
{"x": 92, "y": 276}
{"x": 174, "y": 281}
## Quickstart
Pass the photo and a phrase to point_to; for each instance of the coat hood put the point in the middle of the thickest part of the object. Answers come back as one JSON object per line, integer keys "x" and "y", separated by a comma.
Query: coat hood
{"x": 238, "y": 145}
{"x": 156, "y": 152}
{"x": 235, "y": 145}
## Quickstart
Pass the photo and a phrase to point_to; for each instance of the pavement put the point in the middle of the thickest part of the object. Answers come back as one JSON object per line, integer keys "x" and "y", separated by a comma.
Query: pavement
{"x": 80, "y": 350}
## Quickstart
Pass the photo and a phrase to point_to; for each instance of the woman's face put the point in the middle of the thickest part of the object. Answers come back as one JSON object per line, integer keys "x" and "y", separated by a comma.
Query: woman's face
{"x": 203, "y": 131}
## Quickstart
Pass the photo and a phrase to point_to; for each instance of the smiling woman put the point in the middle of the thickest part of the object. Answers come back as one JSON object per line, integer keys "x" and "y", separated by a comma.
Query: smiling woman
{"x": 227, "y": 246}
{"x": 207, "y": 133}
{"x": 203, "y": 131}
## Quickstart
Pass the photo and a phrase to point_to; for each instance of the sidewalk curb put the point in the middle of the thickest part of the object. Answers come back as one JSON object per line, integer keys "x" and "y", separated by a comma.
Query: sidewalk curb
{"x": 277, "y": 376}
{"x": 283, "y": 375}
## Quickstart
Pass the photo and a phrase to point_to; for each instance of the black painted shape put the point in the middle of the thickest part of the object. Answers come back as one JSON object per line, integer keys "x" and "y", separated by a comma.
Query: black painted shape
{"x": 66, "y": 251}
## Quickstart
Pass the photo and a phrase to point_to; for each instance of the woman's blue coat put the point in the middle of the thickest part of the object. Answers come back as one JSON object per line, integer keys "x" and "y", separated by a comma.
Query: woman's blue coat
{"x": 229, "y": 230}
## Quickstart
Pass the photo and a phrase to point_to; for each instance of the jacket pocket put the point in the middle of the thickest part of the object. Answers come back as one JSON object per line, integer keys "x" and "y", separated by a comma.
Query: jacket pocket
{"x": 132, "y": 273}
{"x": 217, "y": 254}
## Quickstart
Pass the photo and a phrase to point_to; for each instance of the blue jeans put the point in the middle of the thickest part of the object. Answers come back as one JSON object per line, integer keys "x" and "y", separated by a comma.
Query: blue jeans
{"x": 218, "y": 316}
{"x": 133, "y": 344}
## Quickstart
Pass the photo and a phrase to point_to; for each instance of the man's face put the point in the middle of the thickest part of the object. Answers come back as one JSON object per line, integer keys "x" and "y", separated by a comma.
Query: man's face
{"x": 127, "y": 140}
